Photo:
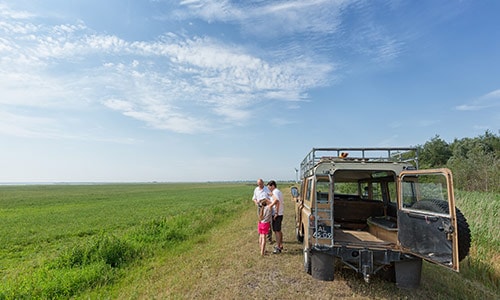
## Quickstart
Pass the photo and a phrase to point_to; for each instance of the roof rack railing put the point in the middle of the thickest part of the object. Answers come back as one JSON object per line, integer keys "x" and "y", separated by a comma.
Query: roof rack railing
{"x": 397, "y": 154}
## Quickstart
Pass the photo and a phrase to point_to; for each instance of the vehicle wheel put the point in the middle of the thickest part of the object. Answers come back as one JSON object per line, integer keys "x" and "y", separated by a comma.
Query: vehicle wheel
{"x": 307, "y": 260}
{"x": 464, "y": 236}
{"x": 300, "y": 238}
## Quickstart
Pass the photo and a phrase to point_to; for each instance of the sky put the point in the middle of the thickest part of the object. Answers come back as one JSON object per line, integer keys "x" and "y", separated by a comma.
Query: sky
{"x": 221, "y": 90}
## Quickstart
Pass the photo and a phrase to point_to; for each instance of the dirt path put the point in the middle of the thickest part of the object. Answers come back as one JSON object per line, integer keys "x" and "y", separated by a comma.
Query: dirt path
{"x": 242, "y": 273}
{"x": 228, "y": 266}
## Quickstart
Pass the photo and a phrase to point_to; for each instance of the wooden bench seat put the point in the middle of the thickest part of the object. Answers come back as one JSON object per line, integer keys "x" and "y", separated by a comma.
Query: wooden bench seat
{"x": 383, "y": 228}
{"x": 357, "y": 210}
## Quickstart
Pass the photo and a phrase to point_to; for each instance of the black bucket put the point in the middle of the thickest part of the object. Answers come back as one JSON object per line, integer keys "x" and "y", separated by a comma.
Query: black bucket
{"x": 322, "y": 265}
{"x": 408, "y": 273}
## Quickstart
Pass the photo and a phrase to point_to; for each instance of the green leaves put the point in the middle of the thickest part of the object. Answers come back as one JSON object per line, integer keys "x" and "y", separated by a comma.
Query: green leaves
{"x": 475, "y": 162}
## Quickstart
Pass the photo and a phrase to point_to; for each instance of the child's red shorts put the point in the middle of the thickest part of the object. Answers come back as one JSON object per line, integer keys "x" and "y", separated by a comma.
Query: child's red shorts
{"x": 264, "y": 227}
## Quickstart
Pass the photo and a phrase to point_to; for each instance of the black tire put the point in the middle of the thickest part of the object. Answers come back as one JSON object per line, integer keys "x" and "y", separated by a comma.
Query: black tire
{"x": 307, "y": 260}
{"x": 464, "y": 236}
{"x": 300, "y": 238}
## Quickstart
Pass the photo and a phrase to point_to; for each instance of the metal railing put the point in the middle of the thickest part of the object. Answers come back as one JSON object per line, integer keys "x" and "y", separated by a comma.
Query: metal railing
{"x": 358, "y": 154}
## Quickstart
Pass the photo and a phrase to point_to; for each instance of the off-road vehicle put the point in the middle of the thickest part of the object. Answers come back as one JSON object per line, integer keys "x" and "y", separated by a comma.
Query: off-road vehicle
{"x": 373, "y": 210}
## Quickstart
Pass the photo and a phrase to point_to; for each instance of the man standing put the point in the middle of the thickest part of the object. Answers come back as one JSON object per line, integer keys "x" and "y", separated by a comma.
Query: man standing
{"x": 278, "y": 203}
{"x": 261, "y": 192}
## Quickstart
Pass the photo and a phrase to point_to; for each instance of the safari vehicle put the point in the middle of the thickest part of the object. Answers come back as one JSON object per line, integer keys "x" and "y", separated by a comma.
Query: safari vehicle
{"x": 373, "y": 210}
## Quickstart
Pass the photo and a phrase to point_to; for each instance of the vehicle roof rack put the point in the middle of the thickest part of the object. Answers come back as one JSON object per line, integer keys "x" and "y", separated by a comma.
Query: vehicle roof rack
{"x": 398, "y": 154}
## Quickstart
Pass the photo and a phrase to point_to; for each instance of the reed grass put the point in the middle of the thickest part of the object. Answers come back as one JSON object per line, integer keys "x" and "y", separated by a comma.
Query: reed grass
{"x": 482, "y": 211}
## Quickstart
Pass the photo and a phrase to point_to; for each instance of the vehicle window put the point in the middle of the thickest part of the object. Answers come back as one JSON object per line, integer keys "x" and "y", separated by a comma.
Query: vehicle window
{"x": 376, "y": 191}
{"x": 433, "y": 187}
{"x": 392, "y": 191}
{"x": 308, "y": 191}
{"x": 347, "y": 188}
{"x": 365, "y": 190}
{"x": 409, "y": 194}
{"x": 424, "y": 187}
{"x": 372, "y": 191}
{"x": 322, "y": 188}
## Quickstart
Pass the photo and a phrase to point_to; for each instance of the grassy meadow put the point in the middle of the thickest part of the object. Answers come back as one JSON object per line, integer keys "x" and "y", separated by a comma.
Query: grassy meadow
{"x": 57, "y": 241}
{"x": 196, "y": 240}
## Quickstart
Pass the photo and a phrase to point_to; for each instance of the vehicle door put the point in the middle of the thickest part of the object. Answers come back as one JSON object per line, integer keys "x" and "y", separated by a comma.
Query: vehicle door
{"x": 426, "y": 216}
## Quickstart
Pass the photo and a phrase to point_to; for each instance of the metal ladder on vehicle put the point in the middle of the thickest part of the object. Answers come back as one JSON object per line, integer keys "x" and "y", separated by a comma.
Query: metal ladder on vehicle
{"x": 324, "y": 219}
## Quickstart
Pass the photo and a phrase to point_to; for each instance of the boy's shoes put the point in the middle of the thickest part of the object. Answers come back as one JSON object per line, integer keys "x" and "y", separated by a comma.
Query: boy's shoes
{"x": 277, "y": 250}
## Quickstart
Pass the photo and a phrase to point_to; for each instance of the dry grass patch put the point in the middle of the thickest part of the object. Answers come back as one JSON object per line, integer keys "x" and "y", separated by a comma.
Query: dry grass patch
{"x": 227, "y": 265}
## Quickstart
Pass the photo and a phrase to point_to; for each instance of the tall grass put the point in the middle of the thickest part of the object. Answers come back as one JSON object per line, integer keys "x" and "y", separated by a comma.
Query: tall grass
{"x": 479, "y": 276}
{"x": 60, "y": 241}
{"x": 482, "y": 211}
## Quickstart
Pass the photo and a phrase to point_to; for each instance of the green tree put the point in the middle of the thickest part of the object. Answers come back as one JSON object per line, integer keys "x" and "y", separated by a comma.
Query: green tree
{"x": 475, "y": 163}
{"x": 435, "y": 153}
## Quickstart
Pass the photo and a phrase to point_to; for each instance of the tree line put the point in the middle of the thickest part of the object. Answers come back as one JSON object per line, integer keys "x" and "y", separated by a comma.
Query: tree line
{"x": 475, "y": 162}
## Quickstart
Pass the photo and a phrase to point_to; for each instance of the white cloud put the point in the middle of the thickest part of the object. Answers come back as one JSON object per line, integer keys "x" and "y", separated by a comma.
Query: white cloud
{"x": 7, "y": 12}
{"x": 213, "y": 9}
{"x": 175, "y": 83}
{"x": 492, "y": 99}
{"x": 178, "y": 83}
{"x": 30, "y": 125}
{"x": 281, "y": 16}
{"x": 325, "y": 27}
{"x": 281, "y": 121}
{"x": 233, "y": 114}
{"x": 29, "y": 88}
{"x": 25, "y": 126}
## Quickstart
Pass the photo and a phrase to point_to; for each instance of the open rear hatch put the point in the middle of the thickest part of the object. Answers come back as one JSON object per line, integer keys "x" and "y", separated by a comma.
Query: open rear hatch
{"x": 426, "y": 216}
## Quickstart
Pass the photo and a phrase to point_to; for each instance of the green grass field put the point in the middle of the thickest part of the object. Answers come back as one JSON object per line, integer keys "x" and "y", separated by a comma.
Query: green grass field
{"x": 133, "y": 241}
{"x": 60, "y": 240}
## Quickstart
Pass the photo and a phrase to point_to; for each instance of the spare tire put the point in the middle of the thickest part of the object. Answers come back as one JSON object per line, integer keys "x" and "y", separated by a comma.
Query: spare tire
{"x": 464, "y": 236}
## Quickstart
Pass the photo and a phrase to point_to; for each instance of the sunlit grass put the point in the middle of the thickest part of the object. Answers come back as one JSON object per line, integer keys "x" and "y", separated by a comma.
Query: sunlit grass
{"x": 59, "y": 241}
{"x": 109, "y": 241}
{"x": 482, "y": 211}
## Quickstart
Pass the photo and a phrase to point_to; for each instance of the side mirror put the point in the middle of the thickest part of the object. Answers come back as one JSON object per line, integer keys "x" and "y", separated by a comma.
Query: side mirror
{"x": 295, "y": 192}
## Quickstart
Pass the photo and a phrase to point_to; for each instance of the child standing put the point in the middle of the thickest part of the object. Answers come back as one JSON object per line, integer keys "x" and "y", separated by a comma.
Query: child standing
{"x": 265, "y": 216}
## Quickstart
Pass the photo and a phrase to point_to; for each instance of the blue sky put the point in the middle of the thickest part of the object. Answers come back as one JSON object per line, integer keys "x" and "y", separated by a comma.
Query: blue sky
{"x": 208, "y": 90}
